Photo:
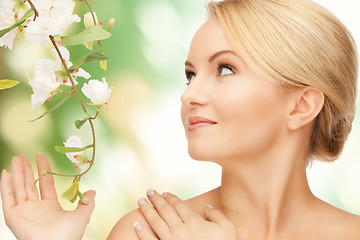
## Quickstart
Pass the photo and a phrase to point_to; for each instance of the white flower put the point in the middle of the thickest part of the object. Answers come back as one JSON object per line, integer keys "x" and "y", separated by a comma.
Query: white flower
{"x": 79, "y": 158}
{"x": 44, "y": 81}
{"x": 9, "y": 16}
{"x": 54, "y": 17}
{"x": 63, "y": 78}
{"x": 49, "y": 75}
{"x": 98, "y": 92}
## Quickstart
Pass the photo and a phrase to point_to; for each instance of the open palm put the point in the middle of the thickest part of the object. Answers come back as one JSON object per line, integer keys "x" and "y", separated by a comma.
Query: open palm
{"x": 28, "y": 217}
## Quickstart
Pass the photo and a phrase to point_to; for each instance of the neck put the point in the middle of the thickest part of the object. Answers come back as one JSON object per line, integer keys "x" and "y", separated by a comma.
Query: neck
{"x": 264, "y": 195}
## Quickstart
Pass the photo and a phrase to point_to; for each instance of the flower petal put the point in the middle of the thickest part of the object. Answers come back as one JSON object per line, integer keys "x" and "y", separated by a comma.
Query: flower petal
{"x": 74, "y": 141}
{"x": 82, "y": 73}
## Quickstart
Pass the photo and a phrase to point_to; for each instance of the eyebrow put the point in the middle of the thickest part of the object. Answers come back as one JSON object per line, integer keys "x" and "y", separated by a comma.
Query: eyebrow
{"x": 212, "y": 57}
{"x": 217, "y": 54}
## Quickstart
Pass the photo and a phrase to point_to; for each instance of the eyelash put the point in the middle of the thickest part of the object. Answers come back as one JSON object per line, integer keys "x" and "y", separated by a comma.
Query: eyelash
{"x": 224, "y": 65}
{"x": 190, "y": 74}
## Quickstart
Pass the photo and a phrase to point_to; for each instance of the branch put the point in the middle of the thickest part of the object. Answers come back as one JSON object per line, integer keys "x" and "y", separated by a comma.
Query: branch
{"x": 82, "y": 105}
{"x": 34, "y": 9}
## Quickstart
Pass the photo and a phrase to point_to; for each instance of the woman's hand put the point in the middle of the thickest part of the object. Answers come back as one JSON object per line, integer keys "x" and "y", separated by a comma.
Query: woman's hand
{"x": 28, "y": 217}
{"x": 171, "y": 219}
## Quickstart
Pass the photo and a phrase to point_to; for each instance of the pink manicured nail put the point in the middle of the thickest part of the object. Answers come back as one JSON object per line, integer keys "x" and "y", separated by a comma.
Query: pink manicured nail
{"x": 164, "y": 194}
{"x": 141, "y": 201}
{"x": 210, "y": 206}
{"x": 150, "y": 192}
{"x": 137, "y": 226}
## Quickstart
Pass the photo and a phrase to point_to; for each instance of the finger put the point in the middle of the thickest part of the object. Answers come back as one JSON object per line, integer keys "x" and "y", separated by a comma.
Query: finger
{"x": 86, "y": 210}
{"x": 164, "y": 209}
{"x": 46, "y": 183}
{"x": 152, "y": 216}
{"x": 182, "y": 209}
{"x": 7, "y": 194}
{"x": 216, "y": 216}
{"x": 31, "y": 190}
{"x": 18, "y": 179}
{"x": 143, "y": 233}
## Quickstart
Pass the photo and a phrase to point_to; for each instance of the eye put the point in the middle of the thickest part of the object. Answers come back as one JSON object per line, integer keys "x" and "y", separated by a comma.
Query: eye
{"x": 224, "y": 69}
{"x": 189, "y": 77}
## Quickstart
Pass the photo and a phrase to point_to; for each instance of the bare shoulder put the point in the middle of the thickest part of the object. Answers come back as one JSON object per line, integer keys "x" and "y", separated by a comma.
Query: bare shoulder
{"x": 124, "y": 228}
{"x": 349, "y": 225}
{"x": 340, "y": 224}
{"x": 199, "y": 203}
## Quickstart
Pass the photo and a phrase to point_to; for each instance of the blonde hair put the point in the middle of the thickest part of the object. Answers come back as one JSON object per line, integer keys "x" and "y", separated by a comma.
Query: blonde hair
{"x": 299, "y": 43}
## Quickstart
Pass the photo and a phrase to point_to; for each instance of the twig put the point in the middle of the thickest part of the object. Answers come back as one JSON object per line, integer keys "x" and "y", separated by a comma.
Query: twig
{"x": 34, "y": 9}
{"x": 82, "y": 105}
{"x": 95, "y": 23}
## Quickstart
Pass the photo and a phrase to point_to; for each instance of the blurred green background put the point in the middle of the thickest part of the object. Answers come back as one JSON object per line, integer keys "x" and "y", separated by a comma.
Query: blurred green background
{"x": 140, "y": 140}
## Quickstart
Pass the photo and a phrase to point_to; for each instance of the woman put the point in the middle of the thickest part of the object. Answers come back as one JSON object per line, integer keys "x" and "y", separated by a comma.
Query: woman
{"x": 271, "y": 85}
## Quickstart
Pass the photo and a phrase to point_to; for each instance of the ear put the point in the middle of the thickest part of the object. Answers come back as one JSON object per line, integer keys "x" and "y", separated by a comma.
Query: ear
{"x": 308, "y": 104}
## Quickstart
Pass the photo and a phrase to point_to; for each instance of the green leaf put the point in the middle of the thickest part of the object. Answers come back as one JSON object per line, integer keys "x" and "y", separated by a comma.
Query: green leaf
{"x": 71, "y": 149}
{"x": 83, "y": 198}
{"x": 6, "y": 83}
{"x": 53, "y": 108}
{"x": 72, "y": 192}
{"x": 90, "y": 34}
{"x": 80, "y": 123}
{"x": 92, "y": 57}
{"x": 29, "y": 13}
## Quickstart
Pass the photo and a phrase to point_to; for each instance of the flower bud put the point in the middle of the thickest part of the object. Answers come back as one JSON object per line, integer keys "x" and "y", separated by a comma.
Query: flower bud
{"x": 111, "y": 24}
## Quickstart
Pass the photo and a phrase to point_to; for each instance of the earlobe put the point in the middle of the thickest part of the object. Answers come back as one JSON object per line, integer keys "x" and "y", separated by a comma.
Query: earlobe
{"x": 309, "y": 102}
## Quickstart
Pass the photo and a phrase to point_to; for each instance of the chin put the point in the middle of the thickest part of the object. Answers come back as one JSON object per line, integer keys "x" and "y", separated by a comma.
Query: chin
{"x": 201, "y": 154}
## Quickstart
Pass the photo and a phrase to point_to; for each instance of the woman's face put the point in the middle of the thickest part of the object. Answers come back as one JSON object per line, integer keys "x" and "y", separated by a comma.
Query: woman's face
{"x": 228, "y": 111}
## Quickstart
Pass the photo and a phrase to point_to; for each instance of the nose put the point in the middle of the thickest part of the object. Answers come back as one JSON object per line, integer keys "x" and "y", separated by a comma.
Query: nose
{"x": 195, "y": 93}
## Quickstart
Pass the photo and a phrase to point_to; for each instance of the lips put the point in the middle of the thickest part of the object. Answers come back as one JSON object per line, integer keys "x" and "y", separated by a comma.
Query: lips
{"x": 196, "y": 122}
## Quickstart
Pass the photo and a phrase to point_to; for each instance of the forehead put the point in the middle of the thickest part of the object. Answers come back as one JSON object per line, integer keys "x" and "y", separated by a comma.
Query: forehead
{"x": 210, "y": 38}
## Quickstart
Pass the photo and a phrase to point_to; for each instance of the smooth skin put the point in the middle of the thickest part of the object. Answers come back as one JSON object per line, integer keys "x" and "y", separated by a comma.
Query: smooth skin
{"x": 30, "y": 217}
{"x": 171, "y": 218}
{"x": 259, "y": 138}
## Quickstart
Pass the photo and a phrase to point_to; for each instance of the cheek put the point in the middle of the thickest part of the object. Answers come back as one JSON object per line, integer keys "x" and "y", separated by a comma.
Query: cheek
{"x": 251, "y": 122}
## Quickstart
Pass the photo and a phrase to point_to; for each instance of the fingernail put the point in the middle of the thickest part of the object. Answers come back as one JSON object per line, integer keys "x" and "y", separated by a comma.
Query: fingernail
{"x": 164, "y": 194}
{"x": 210, "y": 206}
{"x": 141, "y": 201}
{"x": 137, "y": 226}
{"x": 150, "y": 192}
